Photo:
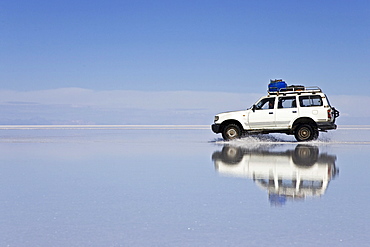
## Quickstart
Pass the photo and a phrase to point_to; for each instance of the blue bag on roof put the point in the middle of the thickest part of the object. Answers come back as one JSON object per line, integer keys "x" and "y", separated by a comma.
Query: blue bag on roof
{"x": 276, "y": 85}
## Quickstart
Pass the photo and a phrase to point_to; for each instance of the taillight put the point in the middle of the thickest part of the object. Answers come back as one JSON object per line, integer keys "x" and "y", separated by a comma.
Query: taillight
{"x": 329, "y": 114}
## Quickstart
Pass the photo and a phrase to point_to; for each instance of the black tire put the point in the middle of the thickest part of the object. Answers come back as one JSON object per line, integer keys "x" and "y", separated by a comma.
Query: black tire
{"x": 305, "y": 132}
{"x": 305, "y": 155}
{"x": 231, "y": 132}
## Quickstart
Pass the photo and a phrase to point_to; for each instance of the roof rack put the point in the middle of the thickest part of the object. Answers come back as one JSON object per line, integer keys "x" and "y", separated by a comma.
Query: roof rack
{"x": 294, "y": 89}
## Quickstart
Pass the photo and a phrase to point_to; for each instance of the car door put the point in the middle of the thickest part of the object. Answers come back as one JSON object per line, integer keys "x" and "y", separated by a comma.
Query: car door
{"x": 263, "y": 114}
{"x": 286, "y": 111}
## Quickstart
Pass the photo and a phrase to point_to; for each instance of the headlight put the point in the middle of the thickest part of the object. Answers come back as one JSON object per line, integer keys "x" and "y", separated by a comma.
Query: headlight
{"x": 216, "y": 118}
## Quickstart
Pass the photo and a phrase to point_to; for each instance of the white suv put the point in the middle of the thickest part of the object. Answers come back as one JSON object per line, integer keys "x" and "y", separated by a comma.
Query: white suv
{"x": 295, "y": 110}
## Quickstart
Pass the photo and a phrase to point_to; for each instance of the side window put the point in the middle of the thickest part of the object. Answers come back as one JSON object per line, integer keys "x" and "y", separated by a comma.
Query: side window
{"x": 287, "y": 102}
{"x": 310, "y": 100}
{"x": 267, "y": 103}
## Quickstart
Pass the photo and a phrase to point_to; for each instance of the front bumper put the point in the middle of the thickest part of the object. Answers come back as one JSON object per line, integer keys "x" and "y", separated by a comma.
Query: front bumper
{"x": 216, "y": 128}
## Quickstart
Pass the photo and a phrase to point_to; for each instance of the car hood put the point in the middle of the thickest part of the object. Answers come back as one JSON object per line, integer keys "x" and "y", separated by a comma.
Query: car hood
{"x": 224, "y": 115}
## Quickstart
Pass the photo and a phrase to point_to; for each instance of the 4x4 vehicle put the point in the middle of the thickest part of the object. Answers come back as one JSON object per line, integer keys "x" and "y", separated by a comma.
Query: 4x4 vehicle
{"x": 293, "y": 110}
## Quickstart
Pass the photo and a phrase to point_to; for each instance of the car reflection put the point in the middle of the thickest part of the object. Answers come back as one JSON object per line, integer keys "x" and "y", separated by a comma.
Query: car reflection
{"x": 286, "y": 174}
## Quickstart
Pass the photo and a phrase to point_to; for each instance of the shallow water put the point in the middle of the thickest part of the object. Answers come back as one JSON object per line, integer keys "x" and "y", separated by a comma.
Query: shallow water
{"x": 182, "y": 187}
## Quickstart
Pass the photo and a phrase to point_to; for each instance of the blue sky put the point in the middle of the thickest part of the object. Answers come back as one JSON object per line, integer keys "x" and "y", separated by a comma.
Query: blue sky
{"x": 205, "y": 46}
{"x": 233, "y": 46}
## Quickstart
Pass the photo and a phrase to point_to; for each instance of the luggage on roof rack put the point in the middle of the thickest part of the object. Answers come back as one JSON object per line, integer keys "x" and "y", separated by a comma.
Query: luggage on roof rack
{"x": 295, "y": 88}
{"x": 276, "y": 85}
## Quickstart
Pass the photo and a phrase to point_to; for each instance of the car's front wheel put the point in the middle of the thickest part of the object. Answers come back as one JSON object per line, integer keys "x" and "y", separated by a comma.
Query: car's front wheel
{"x": 231, "y": 132}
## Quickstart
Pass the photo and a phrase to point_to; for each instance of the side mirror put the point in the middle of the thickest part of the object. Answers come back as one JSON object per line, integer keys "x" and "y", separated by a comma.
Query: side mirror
{"x": 254, "y": 108}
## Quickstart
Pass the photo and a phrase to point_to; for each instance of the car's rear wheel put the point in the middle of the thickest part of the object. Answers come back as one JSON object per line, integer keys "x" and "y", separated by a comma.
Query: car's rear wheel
{"x": 305, "y": 132}
{"x": 231, "y": 132}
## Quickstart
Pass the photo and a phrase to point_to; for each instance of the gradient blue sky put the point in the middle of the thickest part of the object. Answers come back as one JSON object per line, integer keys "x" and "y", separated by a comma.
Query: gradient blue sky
{"x": 224, "y": 46}
{"x": 176, "y": 62}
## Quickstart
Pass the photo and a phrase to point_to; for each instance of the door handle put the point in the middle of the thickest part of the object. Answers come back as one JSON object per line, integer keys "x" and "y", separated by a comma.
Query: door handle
{"x": 271, "y": 112}
{"x": 294, "y": 111}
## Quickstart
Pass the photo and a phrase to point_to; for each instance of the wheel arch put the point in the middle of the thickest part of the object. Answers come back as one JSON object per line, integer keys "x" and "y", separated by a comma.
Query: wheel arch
{"x": 303, "y": 120}
{"x": 231, "y": 121}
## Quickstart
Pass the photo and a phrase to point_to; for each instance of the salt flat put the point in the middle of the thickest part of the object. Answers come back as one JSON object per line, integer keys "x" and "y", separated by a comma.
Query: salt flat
{"x": 181, "y": 186}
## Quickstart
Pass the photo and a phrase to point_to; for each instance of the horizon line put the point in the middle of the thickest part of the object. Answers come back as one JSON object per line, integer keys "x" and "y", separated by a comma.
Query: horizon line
{"x": 102, "y": 126}
{"x": 131, "y": 126}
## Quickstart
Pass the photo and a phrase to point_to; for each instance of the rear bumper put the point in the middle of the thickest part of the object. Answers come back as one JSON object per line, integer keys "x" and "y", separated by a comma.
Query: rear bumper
{"x": 326, "y": 126}
{"x": 216, "y": 128}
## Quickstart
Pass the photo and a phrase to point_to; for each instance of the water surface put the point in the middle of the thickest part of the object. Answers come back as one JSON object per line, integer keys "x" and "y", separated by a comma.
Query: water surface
{"x": 182, "y": 187}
